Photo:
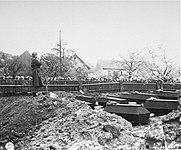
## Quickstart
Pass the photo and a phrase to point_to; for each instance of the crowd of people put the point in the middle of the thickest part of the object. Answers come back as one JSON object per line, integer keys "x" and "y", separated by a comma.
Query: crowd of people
{"x": 36, "y": 76}
{"x": 29, "y": 78}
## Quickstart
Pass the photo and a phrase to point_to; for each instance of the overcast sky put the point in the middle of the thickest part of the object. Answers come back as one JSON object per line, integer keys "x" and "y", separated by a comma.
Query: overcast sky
{"x": 94, "y": 29}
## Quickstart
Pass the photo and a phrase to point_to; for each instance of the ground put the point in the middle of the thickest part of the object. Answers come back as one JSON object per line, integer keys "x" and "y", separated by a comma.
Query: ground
{"x": 62, "y": 122}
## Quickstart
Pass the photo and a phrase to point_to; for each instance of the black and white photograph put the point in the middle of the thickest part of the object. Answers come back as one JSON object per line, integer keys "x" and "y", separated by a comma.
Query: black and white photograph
{"x": 90, "y": 75}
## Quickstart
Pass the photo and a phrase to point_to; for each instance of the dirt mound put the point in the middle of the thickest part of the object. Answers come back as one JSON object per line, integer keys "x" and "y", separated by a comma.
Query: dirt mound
{"x": 21, "y": 115}
{"x": 77, "y": 122}
{"x": 64, "y": 123}
{"x": 45, "y": 122}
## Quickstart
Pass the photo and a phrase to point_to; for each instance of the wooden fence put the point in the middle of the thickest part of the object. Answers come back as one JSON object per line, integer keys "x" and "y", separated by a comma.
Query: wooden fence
{"x": 120, "y": 86}
{"x": 91, "y": 86}
{"x": 29, "y": 82}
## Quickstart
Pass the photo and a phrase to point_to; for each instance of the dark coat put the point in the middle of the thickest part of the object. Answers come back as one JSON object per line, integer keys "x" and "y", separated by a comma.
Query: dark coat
{"x": 36, "y": 73}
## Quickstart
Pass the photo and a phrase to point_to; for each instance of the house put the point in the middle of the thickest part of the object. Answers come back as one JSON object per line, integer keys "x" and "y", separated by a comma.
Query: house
{"x": 79, "y": 62}
{"x": 25, "y": 58}
{"x": 108, "y": 69}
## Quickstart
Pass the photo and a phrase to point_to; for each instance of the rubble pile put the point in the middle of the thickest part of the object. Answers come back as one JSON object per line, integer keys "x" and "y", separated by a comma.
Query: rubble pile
{"x": 63, "y": 123}
{"x": 20, "y": 116}
{"x": 77, "y": 126}
{"x": 162, "y": 132}
{"x": 172, "y": 127}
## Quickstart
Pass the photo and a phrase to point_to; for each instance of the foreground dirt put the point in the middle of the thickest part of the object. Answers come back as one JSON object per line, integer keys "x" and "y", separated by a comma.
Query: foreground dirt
{"x": 64, "y": 123}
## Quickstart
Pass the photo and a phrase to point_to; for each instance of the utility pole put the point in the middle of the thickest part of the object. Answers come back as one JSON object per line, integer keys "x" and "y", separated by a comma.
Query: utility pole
{"x": 60, "y": 48}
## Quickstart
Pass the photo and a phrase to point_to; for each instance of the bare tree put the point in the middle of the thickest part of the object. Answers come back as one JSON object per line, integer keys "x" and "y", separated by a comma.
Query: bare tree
{"x": 4, "y": 62}
{"x": 132, "y": 64}
{"x": 159, "y": 67}
{"x": 14, "y": 66}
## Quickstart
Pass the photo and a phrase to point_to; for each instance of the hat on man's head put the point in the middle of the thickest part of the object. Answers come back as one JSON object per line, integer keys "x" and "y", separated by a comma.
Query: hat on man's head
{"x": 34, "y": 54}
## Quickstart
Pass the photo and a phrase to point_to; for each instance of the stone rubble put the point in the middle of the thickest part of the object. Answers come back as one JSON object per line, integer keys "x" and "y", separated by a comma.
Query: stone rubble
{"x": 77, "y": 122}
{"x": 70, "y": 124}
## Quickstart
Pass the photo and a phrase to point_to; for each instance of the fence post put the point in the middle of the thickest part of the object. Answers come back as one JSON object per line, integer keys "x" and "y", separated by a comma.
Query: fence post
{"x": 80, "y": 85}
{"x": 121, "y": 86}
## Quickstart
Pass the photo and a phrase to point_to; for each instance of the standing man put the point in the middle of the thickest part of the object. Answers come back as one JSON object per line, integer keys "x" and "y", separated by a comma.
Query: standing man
{"x": 36, "y": 73}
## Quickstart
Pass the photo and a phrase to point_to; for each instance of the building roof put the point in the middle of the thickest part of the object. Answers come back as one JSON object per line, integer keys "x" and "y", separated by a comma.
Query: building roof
{"x": 110, "y": 64}
{"x": 25, "y": 58}
{"x": 76, "y": 56}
